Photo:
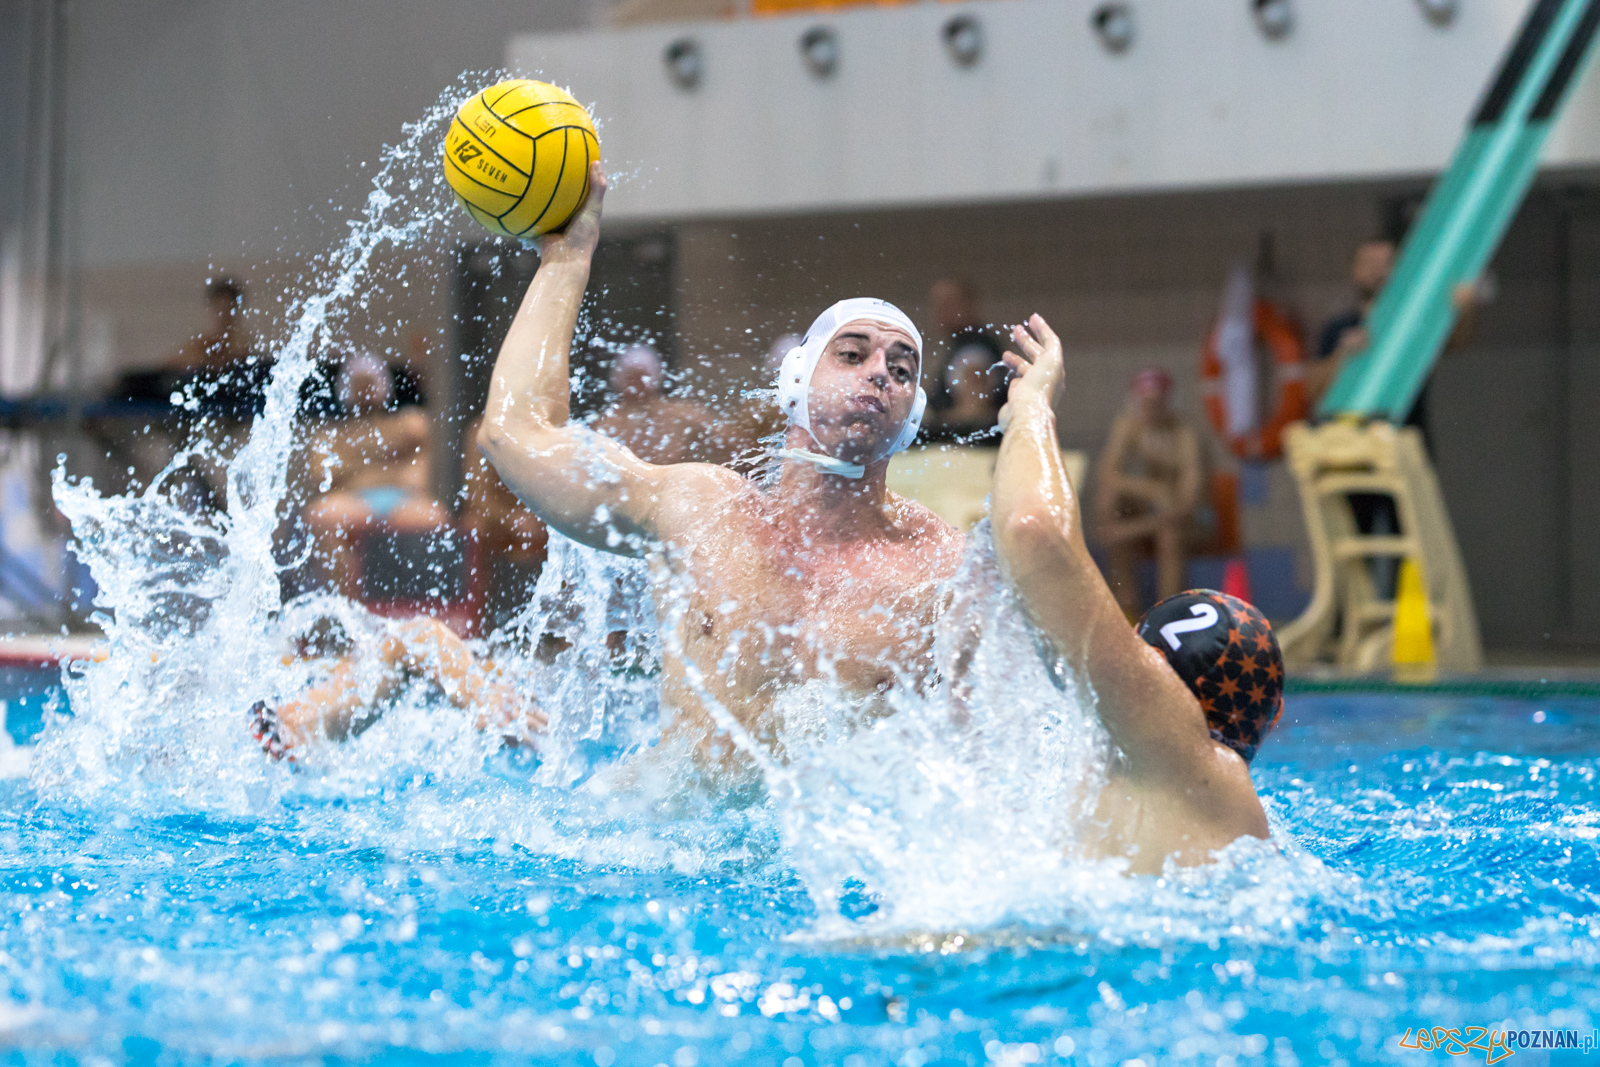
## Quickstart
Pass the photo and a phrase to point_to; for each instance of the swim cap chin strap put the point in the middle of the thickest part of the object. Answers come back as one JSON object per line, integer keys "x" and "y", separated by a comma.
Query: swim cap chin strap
{"x": 825, "y": 464}
{"x": 800, "y": 363}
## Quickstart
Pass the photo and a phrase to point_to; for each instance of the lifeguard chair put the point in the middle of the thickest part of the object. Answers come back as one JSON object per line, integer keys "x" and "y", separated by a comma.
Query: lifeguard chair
{"x": 1350, "y": 621}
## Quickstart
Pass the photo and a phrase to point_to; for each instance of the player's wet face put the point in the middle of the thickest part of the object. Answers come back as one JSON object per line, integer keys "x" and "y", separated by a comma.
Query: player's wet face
{"x": 862, "y": 390}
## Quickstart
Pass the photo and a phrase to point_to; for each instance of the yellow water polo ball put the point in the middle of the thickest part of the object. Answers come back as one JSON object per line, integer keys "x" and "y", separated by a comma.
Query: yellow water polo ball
{"x": 517, "y": 156}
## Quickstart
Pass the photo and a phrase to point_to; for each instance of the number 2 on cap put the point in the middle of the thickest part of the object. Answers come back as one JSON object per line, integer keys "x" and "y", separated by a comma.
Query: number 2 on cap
{"x": 1205, "y": 617}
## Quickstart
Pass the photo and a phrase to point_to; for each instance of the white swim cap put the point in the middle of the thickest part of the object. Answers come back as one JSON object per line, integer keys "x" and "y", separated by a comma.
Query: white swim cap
{"x": 794, "y": 377}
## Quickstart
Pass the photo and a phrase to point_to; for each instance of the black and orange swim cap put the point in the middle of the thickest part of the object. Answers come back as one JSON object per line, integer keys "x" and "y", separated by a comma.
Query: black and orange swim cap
{"x": 1225, "y": 652}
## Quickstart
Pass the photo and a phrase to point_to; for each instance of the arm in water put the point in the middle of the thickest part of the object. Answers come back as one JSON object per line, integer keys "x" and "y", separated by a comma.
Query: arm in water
{"x": 589, "y": 488}
{"x": 356, "y": 691}
{"x": 1150, "y": 713}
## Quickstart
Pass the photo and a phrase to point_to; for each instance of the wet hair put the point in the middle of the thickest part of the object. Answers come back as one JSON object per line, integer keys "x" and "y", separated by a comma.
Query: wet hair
{"x": 225, "y": 288}
{"x": 1225, "y": 652}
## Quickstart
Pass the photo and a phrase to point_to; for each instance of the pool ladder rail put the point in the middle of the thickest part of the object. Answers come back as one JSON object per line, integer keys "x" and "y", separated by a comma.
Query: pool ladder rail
{"x": 1349, "y": 621}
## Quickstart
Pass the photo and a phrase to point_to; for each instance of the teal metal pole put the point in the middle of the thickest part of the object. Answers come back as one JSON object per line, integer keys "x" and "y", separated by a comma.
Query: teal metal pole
{"x": 1466, "y": 213}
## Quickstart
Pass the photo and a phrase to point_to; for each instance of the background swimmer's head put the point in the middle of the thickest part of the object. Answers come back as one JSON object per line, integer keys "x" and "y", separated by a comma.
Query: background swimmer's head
{"x": 365, "y": 384}
{"x": 637, "y": 373}
{"x": 853, "y": 386}
{"x": 1225, "y": 652}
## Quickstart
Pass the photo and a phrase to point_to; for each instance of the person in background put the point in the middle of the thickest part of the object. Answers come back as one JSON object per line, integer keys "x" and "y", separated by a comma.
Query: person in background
{"x": 372, "y": 466}
{"x": 227, "y": 380}
{"x": 737, "y": 440}
{"x": 1344, "y": 336}
{"x": 974, "y": 387}
{"x": 224, "y": 341}
{"x": 644, "y": 420}
{"x": 1147, "y": 490}
{"x": 954, "y": 302}
{"x": 225, "y": 384}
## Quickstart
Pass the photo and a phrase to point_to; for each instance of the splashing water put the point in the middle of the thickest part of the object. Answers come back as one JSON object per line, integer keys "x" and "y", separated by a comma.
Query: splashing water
{"x": 197, "y": 633}
{"x": 187, "y": 603}
{"x": 959, "y": 810}
{"x": 907, "y": 889}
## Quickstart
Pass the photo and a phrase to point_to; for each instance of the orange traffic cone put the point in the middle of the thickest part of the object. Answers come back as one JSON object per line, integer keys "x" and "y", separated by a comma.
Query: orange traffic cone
{"x": 1236, "y": 579}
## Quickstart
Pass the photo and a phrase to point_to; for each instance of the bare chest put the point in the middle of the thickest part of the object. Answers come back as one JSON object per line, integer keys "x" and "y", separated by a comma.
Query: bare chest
{"x": 757, "y": 614}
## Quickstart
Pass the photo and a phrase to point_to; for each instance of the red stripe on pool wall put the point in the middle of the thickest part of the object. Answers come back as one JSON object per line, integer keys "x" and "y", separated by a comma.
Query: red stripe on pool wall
{"x": 44, "y": 650}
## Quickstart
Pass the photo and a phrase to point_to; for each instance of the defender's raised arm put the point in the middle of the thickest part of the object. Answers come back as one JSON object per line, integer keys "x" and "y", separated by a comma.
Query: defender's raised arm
{"x": 1038, "y": 531}
{"x": 589, "y": 488}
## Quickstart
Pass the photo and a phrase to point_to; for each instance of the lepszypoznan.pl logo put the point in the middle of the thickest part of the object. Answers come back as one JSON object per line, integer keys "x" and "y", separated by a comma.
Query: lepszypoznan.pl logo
{"x": 1495, "y": 1044}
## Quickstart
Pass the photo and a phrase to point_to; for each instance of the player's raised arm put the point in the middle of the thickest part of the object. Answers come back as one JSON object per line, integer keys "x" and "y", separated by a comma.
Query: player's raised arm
{"x": 589, "y": 488}
{"x": 1038, "y": 532}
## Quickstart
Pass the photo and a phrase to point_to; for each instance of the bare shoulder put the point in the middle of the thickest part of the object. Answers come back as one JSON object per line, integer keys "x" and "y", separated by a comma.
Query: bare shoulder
{"x": 943, "y": 543}
{"x": 1218, "y": 792}
{"x": 689, "y": 493}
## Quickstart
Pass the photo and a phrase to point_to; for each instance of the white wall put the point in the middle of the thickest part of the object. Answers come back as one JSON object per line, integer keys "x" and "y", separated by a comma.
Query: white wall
{"x": 236, "y": 136}
{"x": 1360, "y": 89}
{"x": 225, "y": 128}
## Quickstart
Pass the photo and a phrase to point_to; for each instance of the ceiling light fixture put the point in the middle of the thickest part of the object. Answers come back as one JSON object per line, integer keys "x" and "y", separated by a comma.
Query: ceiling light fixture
{"x": 963, "y": 40}
{"x": 1113, "y": 24}
{"x": 685, "y": 66}
{"x": 819, "y": 48}
{"x": 1439, "y": 12}
{"x": 1274, "y": 18}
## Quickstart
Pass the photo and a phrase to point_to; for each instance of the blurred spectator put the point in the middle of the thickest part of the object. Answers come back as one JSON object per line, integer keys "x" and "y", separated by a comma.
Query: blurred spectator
{"x": 974, "y": 387}
{"x": 493, "y": 516}
{"x": 738, "y": 438}
{"x": 641, "y": 417}
{"x": 225, "y": 383}
{"x": 371, "y": 467}
{"x": 219, "y": 369}
{"x": 224, "y": 341}
{"x": 1345, "y": 335}
{"x": 1147, "y": 490}
{"x": 954, "y": 302}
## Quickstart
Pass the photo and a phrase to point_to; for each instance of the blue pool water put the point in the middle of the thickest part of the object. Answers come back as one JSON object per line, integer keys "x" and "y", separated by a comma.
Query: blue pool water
{"x": 1439, "y": 867}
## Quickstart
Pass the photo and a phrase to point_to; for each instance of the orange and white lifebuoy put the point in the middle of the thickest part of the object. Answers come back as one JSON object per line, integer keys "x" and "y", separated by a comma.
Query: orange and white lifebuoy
{"x": 1278, "y": 332}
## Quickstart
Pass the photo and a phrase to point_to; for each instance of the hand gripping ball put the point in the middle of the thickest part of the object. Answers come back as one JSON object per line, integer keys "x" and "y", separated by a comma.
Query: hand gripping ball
{"x": 517, "y": 156}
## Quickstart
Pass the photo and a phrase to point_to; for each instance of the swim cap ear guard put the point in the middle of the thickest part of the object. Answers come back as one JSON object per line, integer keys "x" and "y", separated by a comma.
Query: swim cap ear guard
{"x": 1225, "y": 652}
{"x": 800, "y": 363}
